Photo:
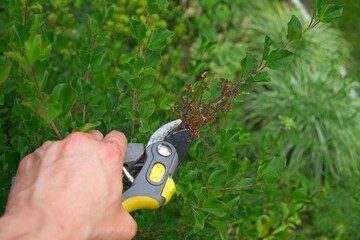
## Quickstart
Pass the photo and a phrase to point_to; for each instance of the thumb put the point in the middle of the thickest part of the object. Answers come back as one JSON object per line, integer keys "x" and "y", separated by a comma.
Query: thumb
{"x": 120, "y": 225}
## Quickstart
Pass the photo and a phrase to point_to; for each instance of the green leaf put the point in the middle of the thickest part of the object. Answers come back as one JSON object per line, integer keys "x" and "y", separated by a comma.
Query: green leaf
{"x": 245, "y": 89}
{"x": 126, "y": 76}
{"x": 271, "y": 170}
{"x": 53, "y": 110}
{"x": 259, "y": 77}
{"x": 157, "y": 39}
{"x": 19, "y": 143}
{"x": 229, "y": 136}
{"x": 33, "y": 47}
{"x": 221, "y": 227}
{"x": 138, "y": 64}
{"x": 317, "y": 7}
{"x": 36, "y": 107}
{"x": 138, "y": 30}
{"x": 152, "y": 58}
{"x": 86, "y": 127}
{"x": 329, "y": 12}
{"x": 64, "y": 123}
{"x": 65, "y": 95}
{"x": 215, "y": 207}
{"x": 108, "y": 13}
{"x": 126, "y": 58}
{"x": 16, "y": 56}
{"x": 92, "y": 24}
{"x": 101, "y": 62}
{"x": 262, "y": 77}
{"x": 294, "y": 30}
{"x": 214, "y": 176}
{"x": 147, "y": 109}
{"x": 188, "y": 175}
{"x": 279, "y": 58}
{"x": 267, "y": 43}
{"x": 36, "y": 22}
{"x": 206, "y": 45}
{"x": 4, "y": 72}
{"x": 199, "y": 221}
{"x": 245, "y": 182}
{"x": 155, "y": 6}
{"x": 46, "y": 48}
{"x": 233, "y": 170}
{"x": 146, "y": 82}
{"x": 145, "y": 126}
{"x": 248, "y": 64}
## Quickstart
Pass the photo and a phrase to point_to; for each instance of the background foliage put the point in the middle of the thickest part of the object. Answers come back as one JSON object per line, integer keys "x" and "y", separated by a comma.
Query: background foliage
{"x": 283, "y": 164}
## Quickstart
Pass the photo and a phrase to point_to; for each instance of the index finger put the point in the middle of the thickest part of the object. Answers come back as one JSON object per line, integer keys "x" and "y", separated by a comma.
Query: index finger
{"x": 118, "y": 139}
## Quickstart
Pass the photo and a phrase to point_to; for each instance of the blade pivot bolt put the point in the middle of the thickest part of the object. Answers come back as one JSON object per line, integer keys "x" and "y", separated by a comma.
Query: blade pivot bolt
{"x": 164, "y": 150}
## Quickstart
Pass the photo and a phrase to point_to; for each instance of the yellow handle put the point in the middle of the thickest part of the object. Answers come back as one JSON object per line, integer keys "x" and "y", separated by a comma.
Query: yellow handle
{"x": 140, "y": 202}
{"x": 145, "y": 202}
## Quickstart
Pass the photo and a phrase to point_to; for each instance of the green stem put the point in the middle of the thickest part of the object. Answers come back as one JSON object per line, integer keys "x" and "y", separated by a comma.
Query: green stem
{"x": 26, "y": 14}
{"x": 87, "y": 76}
{"x": 42, "y": 100}
{"x": 226, "y": 189}
{"x": 135, "y": 105}
{"x": 135, "y": 94}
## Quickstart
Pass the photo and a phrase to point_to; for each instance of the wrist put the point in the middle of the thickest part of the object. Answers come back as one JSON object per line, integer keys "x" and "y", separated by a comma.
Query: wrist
{"x": 15, "y": 227}
{"x": 32, "y": 225}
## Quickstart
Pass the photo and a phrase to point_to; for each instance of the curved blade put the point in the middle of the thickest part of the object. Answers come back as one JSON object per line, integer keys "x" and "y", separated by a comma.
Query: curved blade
{"x": 163, "y": 131}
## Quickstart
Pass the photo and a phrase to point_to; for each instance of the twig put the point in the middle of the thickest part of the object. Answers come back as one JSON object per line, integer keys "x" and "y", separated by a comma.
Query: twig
{"x": 42, "y": 100}
{"x": 195, "y": 112}
{"x": 26, "y": 13}
{"x": 135, "y": 100}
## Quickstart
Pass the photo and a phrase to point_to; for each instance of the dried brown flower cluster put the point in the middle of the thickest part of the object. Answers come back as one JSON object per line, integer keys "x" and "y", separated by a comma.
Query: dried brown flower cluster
{"x": 196, "y": 111}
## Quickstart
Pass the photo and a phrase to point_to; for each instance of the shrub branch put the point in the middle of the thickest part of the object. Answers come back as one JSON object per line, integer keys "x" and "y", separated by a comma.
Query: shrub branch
{"x": 42, "y": 100}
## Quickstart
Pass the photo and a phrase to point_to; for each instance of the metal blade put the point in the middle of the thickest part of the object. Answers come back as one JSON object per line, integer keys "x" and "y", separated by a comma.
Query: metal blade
{"x": 163, "y": 131}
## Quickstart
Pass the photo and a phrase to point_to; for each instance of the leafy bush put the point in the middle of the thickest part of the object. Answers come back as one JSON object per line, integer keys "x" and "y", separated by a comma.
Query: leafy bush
{"x": 77, "y": 65}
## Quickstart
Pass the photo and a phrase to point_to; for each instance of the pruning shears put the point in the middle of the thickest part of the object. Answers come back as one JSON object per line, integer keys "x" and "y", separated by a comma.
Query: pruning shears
{"x": 155, "y": 166}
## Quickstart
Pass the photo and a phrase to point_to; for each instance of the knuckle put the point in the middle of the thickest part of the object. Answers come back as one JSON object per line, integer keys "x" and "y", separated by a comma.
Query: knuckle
{"x": 75, "y": 140}
{"x": 43, "y": 147}
{"x": 26, "y": 162}
{"x": 76, "y": 137}
{"x": 119, "y": 134}
{"x": 46, "y": 144}
{"x": 112, "y": 151}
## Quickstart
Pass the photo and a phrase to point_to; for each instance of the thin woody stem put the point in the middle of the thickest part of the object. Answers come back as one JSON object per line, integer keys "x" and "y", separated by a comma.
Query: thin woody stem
{"x": 195, "y": 112}
{"x": 135, "y": 94}
{"x": 42, "y": 100}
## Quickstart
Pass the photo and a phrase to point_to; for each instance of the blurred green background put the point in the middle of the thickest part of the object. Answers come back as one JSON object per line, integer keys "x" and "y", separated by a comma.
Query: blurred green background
{"x": 348, "y": 25}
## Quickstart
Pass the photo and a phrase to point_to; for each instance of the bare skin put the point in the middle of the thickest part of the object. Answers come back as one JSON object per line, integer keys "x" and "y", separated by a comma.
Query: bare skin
{"x": 70, "y": 189}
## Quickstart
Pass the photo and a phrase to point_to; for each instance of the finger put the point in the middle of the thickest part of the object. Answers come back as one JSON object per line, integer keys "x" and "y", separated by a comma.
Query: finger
{"x": 26, "y": 163}
{"x": 46, "y": 144}
{"x": 118, "y": 139}
{"x": 96, "y": 134}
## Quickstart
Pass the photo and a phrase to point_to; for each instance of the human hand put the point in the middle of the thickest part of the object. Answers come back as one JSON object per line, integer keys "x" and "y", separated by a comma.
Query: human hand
{"x": 70, "y": 189}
